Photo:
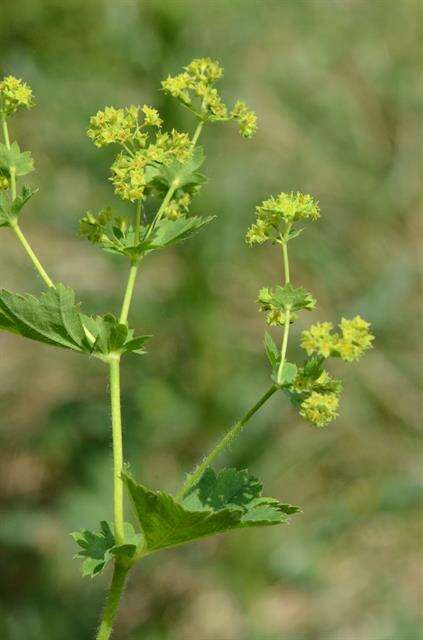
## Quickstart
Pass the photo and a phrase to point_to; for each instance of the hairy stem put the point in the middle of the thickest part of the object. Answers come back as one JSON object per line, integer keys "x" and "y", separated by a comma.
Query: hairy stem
{"x": 224, "y": 443}
{"x": 117, "y": 448}
{"x": 112, "y": 602}
{"x": 287, "y": 314}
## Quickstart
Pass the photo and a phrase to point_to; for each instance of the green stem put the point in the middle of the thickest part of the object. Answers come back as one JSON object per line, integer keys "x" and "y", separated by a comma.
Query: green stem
{"x": 197, "y": 133}
{"x": 129, "y": 292}
{"x": 37, "y": 264}
{"x": 14, "y": 224}
{"x": 287, "y": 312}
{"x": 117, "y": 447}
{"x": 112, "y": 602}
{"x": 225, "y": 442}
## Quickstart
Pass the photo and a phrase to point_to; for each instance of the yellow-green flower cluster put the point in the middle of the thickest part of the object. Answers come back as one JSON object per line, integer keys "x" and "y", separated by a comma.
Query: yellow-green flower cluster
{"x": 320, "y": 408}
{"x": 194, "y": 89}
{"x": 353, "y": 341}
{"x": 178, "y": 207}
{"x": 122, "y": 126}
{"x": 356, "y": 339}
{"x": 14, "y": 93}
{"x": 277, "y": 212}
{"x": 247, "y": 119}
{"x": 129, "y": 176}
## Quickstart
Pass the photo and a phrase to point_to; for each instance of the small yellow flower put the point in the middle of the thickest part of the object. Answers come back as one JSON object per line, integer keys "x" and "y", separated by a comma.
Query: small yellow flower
{"x": 319, "y": 339}
{"x": 356, "y": 338}
{"x": 320, "y": 408}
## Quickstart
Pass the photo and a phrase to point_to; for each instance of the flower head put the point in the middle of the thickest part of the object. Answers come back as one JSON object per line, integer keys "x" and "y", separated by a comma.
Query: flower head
{"x": 355, "y": 340}
{"x": 319, "y": 339}
{"x": 320, "y": 408}
{"x": 14, "y": 93}
{"x": 195, "y": 89}
{"x": 275, "y": 213}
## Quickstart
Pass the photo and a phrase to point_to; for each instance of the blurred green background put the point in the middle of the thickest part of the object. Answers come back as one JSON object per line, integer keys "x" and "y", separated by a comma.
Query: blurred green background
{"x": 337, "y": 91}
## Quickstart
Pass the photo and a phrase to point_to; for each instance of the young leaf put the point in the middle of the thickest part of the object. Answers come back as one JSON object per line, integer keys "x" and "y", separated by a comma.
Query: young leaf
{"x": 229, "y": 500}
{"x": 173, "y": 231}
{"x": 272, "y": 351}
{"x": 22, "y": 162}
{"x": 111, "y": 336}
{"x": 99, "y": 548}
{"x": 22, "y": 199}
{"x": 9, "y": 209}
{"x": 289, "y": 372}
{"x": 289, "y": 297}
{"x": 5, "y": 209}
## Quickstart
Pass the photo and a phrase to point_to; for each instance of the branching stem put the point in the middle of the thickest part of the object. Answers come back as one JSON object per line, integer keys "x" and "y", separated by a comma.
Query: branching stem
{"x": 14, "y": 224}
{"x": 224, "y": 443}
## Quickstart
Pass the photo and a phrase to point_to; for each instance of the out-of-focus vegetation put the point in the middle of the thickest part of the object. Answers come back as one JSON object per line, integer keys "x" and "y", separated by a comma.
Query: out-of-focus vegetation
{"x": 336, "y": 88}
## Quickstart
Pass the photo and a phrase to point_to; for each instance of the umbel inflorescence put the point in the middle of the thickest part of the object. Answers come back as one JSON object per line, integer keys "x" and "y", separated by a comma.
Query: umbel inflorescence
{"x": 161, "y": 167}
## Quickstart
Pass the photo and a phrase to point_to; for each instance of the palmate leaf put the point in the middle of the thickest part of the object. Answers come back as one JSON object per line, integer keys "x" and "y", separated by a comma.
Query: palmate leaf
{"x": 54, "y": 318}
{"x": 97, "y": 549}
{"x": 219, "y": 502}
{"x": 115, "y": 235}
{"x": 289, "y": 297}
{"x": 21, "y": 161}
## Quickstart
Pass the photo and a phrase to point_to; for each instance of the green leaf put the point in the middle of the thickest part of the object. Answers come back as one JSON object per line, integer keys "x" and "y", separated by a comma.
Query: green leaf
{"x": 21, "y": 200}
{"x": 112, "y": 336}
{"x": 289, "y": 297}
{"x": 219, "y": 502}
{"x": 115, "y": 234}
{"x": 99, "y": 548}
{"x": 181, "y": 175}
{"x": 22, "y": 162}
{"x": 53, "y": 318}
{"x": 170, "y": 232}
{"x": 8, "y": 209}
{"x": 272, "y": 351}
{"x": 289, "y": 372}
{"x": 5, "y": 209}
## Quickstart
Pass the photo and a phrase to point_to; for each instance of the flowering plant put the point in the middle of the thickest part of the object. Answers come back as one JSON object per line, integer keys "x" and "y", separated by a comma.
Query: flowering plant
{"x": 152, "y": 163}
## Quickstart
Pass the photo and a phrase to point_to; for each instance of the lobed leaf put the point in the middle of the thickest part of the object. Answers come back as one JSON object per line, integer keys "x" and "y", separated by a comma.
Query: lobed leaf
{"x": 54, "y": 318}
{"x": 293, "y": 298}
{"x": 9, "y": 209}
{"x": 219, "y": 502}
{"x": 115, "y": 235}
{"x": 14, "y": 158}
{"x": 97, "y": 549}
